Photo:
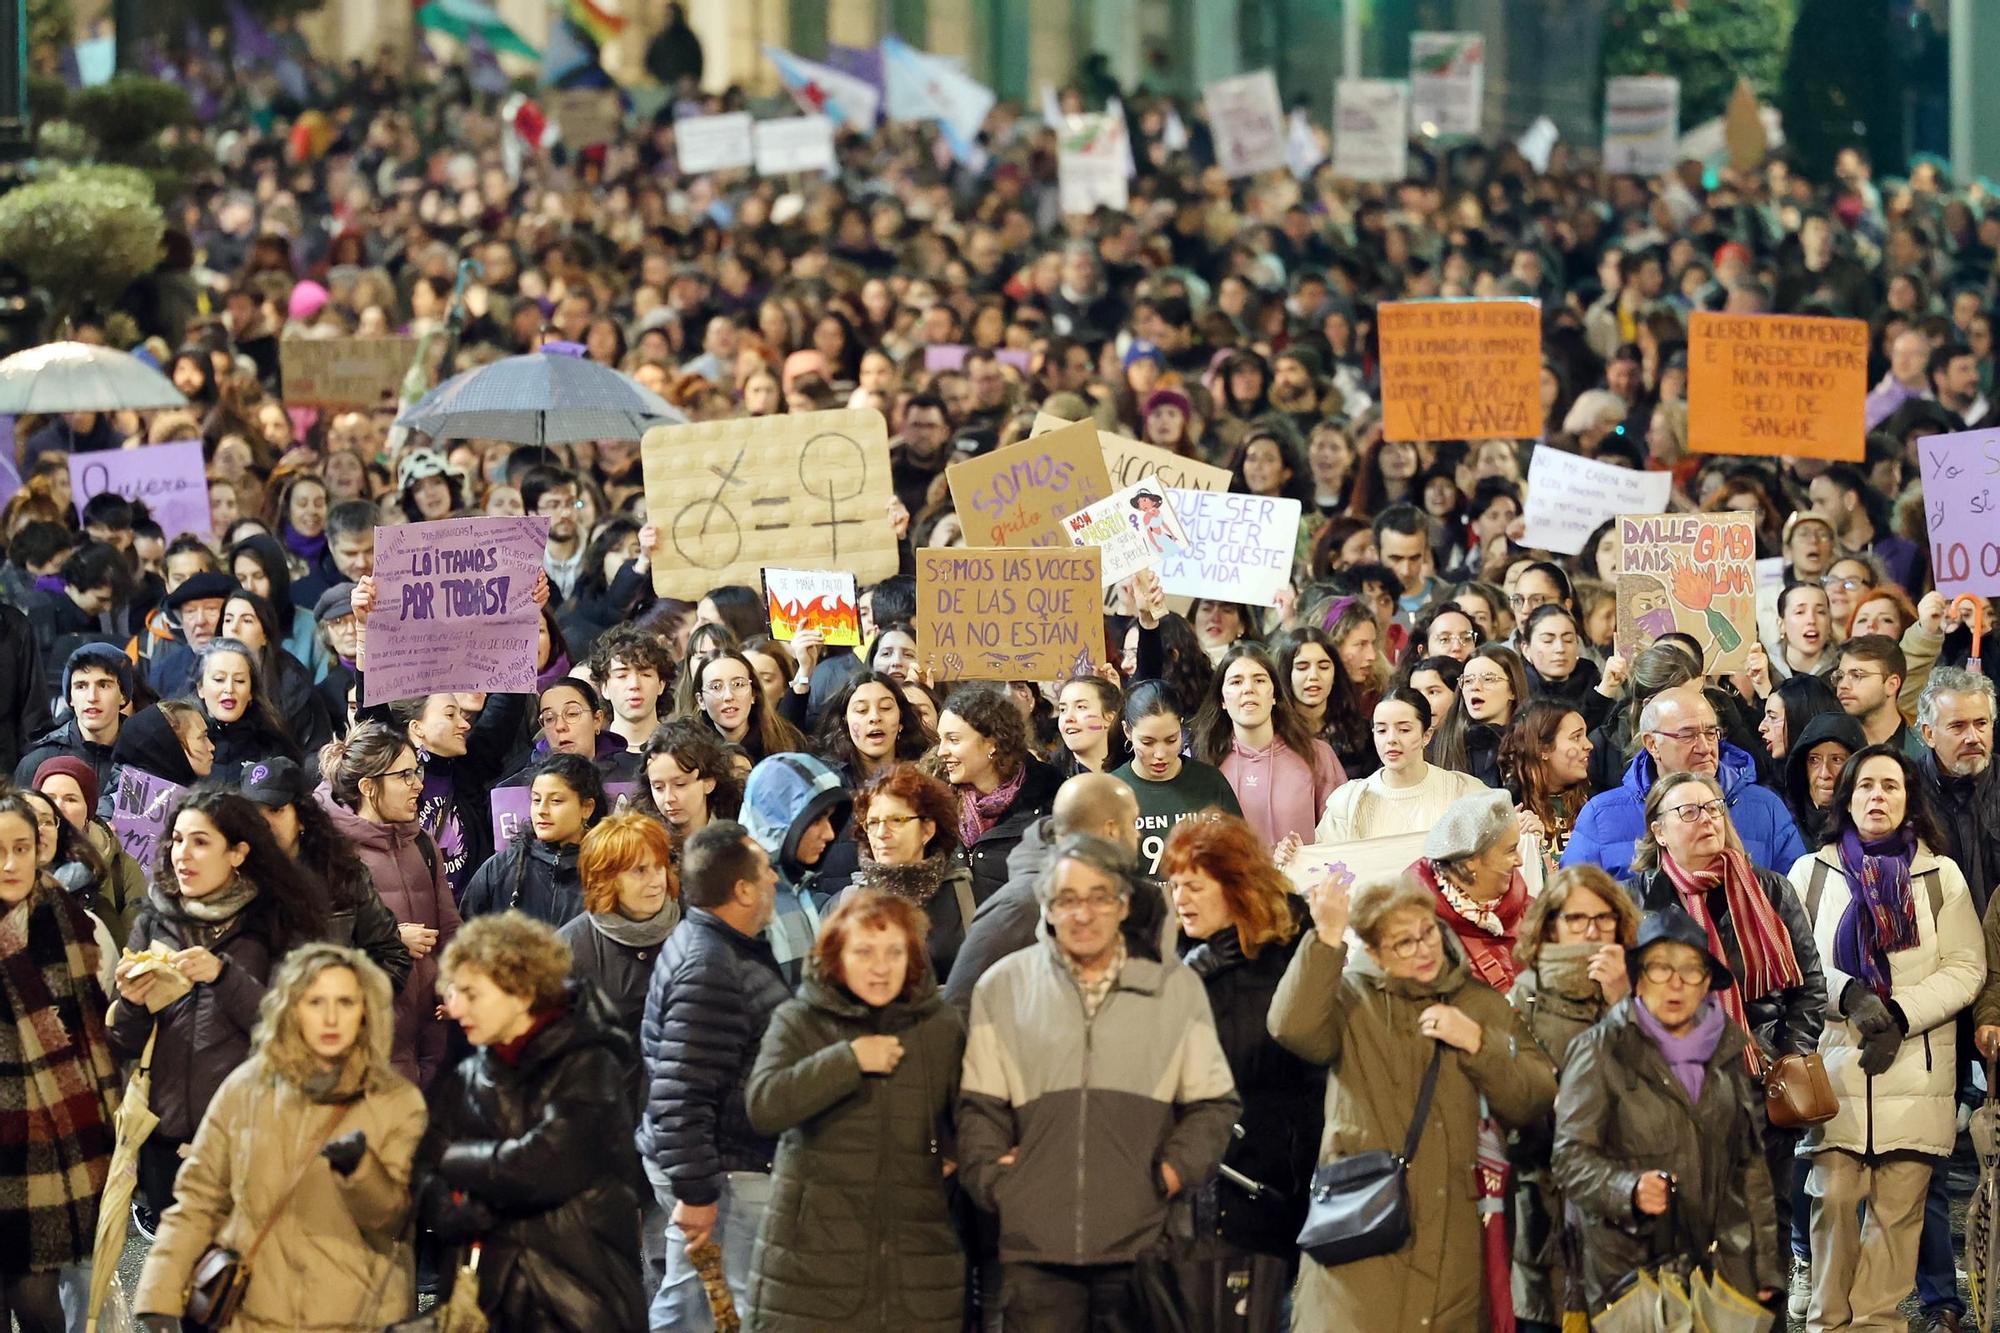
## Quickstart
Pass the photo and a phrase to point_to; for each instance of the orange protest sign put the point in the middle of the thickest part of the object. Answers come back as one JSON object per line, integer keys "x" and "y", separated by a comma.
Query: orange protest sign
{"x": 1777, "y": 384}
{"x": 1461, "y": 370}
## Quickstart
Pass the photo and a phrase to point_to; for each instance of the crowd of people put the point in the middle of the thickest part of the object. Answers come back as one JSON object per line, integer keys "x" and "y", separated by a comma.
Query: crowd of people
{"x": 819, "y": 987}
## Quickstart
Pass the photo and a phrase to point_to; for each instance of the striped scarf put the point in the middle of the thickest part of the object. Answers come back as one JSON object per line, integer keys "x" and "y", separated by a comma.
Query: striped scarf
{"x": 60, "y": 1082}
{"x": 1768, "y": 961}
{"x": 1881, "y": 915}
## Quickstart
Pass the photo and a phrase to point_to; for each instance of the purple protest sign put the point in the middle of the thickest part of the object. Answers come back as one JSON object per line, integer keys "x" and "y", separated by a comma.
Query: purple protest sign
{"x": 10, "y": 475}
{"x": 945, "y": 356}
{"x": 170, "y": 479}
{"x": 139, "y": 805}
{"x": 453, "y": 610}
{"x": 1960, "y": 504}
{"x": 1012, "y": 356}
{"x": 510, "y": 807}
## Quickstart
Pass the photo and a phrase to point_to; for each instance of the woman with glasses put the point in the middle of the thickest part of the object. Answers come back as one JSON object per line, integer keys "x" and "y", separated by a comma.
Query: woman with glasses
{"x": 1660, "y": 1107}
{"x": 907, "y": 824}
{"x": 1572, "y": 960}
{"x": 1895, "y": 923}
{"x": 1847, "y": 581}
{"x": 1448, "y": 631}
{"x": 1492, "y": 687}
{"x": 728, "y": 695}
{"x": 373, "y": 788}
{"x": 1536, "y": 584}
{"x": 574, "y": 720}
{"x": 1377, "y": 1019}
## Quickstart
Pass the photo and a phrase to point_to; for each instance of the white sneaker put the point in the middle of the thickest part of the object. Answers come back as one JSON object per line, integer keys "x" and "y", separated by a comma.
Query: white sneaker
{"x": 1801, "y": 1293}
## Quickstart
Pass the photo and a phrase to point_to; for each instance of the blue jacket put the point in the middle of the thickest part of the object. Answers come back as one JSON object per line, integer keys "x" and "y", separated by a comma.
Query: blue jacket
{"x": 786, "y": 794}
{"x": 1611, "y": 822}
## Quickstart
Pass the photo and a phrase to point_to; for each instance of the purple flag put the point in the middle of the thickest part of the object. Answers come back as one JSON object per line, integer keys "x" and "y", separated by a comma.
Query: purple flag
{"x": 252, "y": 40}
{"x": 861, "y": 62}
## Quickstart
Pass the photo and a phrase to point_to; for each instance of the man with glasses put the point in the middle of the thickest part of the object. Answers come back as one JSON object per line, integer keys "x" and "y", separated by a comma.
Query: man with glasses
{"x": 1868, "y": 678}
{"x": 551, "y": 493}
{"x": 1078, "y": 1036}
{"x": 921, "y": 451}
{"x": 1679, "y": 734}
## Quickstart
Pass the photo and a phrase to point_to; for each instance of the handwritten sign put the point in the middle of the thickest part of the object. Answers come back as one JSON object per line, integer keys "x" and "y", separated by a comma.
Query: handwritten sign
{"x": 1013, "y": 613}
{"x": 714, "y": 143}
{"x": 806, "y": 490}
{"x": 1019, "y": 496}
{"x": 792, "y": 143}
{"x": 1447, "y": 81}
{"x": 511, "y": 807}
{"x": 813, "y": 599}
{"x": 1642, "y": 124}
{"x": 453, "y": 607}
{"x": 1695, "y": 573}
{"x": 1247, "y": 123}
{"x": 344, "y": 372}
{"x": 169, "y": 478}
{"x": 1461, "y": 370}
{"x": 1569, "y": 495}
{"x": 1134, "y": 528}
{"x": 139, "y": 805}
{"x": 1960, "y": 506}
{"x": 1777, "y": 384}
{"x": 1372, "y": 860}
{"x": 1239, "y": 547}
{"x": 1371, "y": 129}
{"x": 1091, "y": 152}
{"x": 586, "y": 117}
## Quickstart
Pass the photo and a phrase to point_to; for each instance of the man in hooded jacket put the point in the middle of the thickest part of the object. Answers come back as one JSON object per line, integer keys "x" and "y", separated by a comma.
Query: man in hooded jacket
{"x": 790, "y": 805}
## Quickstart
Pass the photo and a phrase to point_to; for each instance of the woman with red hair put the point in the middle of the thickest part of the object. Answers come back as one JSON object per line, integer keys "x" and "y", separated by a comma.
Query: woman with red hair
{"x": 631, "y": 903}
{"x": 857, "y": 1077}
{"x": 907, "y": 824}
{"x": 1240, "y": 924}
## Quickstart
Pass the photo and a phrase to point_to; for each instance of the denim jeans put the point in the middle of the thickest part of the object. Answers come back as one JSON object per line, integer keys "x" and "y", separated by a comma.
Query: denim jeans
{"x": 681, "y": 1305}
{"x": 1937, "y": 1268}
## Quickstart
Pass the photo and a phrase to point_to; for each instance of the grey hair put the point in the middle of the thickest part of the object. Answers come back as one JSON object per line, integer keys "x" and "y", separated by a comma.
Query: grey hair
{"x": 1649, "y": 716}
{"x": 1100, "y": 854}
{"x": 1952, "y": 680}
{"x": 1497, "y": 818}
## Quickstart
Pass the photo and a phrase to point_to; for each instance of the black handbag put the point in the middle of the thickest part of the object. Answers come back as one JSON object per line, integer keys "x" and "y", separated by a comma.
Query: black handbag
{"x": 1360, "y": 1205}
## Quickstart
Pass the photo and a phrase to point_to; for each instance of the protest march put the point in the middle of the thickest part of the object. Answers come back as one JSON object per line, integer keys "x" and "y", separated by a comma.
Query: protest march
{"x": 880, "y": 708}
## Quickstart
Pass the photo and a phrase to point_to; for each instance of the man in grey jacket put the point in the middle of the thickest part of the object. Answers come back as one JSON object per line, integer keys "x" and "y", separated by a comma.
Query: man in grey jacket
{"x": 1094, "y": 1094}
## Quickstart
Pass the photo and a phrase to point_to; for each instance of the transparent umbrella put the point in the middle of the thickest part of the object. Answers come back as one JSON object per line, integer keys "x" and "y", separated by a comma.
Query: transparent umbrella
{"x": 134, "y": 1124}
{"x": 541, "y": 398}
{"x": 79, "y": 377}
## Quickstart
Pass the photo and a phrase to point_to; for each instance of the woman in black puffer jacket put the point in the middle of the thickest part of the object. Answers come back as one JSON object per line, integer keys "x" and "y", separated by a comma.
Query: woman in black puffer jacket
{"x": 529, "y": 1149}
{"x": 1240, "y": 925}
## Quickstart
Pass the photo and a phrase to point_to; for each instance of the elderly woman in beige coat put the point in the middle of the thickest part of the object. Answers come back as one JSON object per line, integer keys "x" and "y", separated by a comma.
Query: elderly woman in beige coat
{"x": 1374, "y": 1016}
{"x": 313, "y": 1137}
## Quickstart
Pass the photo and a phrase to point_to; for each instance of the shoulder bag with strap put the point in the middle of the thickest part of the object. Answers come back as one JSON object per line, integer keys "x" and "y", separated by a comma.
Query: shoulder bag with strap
{"x": 1360, "y": 1205}
{"x": 221, "y": 1277}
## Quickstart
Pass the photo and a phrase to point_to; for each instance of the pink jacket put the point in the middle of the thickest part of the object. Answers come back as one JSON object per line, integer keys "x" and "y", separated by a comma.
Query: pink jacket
{"x": 1280, "y": 791}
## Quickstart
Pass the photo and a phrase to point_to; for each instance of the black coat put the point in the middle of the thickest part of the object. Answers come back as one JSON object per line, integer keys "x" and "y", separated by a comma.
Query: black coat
{"x": 358, "y": 918}
{"x": 1284, "y": 1097}
{"x": 535, "y": 876}
{"x": 713, "y": 992}
{"x": 1969, "y": 809}
{"x": 988, "y": 854}
{"x": 243, "y": 742}
{"x": 1786, "y": 1022}
{"x": 539, "y": 1146}
{"x": 621, "y": 971}
{"x": 65, "y": 739}
{"x": 24, "y": 696}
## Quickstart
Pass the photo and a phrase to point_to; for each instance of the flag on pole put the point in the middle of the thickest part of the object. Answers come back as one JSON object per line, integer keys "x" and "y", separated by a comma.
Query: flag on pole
{"x": 461, "y": 19}
{"x": 822, "y": 90}
{"x": 928, "y": 87}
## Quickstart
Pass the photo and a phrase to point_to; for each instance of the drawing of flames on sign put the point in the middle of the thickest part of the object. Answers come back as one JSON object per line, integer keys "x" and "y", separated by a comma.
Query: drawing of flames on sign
{"x": 798, "y": 601}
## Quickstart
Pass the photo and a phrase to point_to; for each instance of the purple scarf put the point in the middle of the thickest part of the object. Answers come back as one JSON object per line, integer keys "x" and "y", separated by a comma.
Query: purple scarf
{"x": 1687, "y": 1055}
{"x": 552, "y": 673}
{"x": 308, "y": 549}
{"x": 1881, "y": 915}
{"x": 977, "y": 813}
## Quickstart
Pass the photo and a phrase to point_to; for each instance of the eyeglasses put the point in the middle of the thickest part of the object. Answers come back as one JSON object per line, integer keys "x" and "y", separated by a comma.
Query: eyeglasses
{"x": 1411, "y": 945}
{"x": 1528, "y": 601}
{"x": 888, "y": 823}
{"x": 1688, "y": 814}
{"x": 1449, "y": 640}
{"x": 555, "y": 504}
{"x": 1854, "y": 676}
{"x": 568, "y": 717}
{"x": 721, "y": 689}
{"x": 413, "y": 775}
{"x": 1074, "y": 905}
{"x": 1663, "y": 973}
{"x": 1589, "y": 923}
{"x": 1848, "y": 584}
{"x": 1689, "y": 735}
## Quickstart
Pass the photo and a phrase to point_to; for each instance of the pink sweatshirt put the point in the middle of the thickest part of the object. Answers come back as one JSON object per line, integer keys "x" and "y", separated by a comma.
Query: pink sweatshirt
{"x": 1280, "y": 791}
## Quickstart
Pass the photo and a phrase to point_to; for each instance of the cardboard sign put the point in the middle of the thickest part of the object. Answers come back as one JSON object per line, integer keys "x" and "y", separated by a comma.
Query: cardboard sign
{"x": 1135, "y": 529}
{"x": 1642, "y": 124}
{"x": 1130, "y": 462}
{"x": 1447, "y": 81}
{"x": 792, "y": 143}
{"x": 169, "y": 478}
{"x": 344, "y": 372}
{"x": 1568, "y": 495}
{"x": 1461, "y": 370}
{"x": 1778, "y": 384}
{"x": 1247, "y": 123}
{"x": 139, "y": 805}
{"x": 1239, "y": 547}
{"x": 453, "y": 608}
{"x": 1371, "y": 129}
{"x": 1090, "y": 163}
{"x": 1695, "y": 573}
{"x": 1960, "y": 509}
{"x": 511, "y": 806}
{"x": 807, "y": 490}
{"x": 813, "y": 599}
{"x": 1743, "y": 129}
{"x": 714, "y": 143}
{"x": 1019, "y": 496}
{"x": 587, "y": 117}
{"x": 1011, "y": 613}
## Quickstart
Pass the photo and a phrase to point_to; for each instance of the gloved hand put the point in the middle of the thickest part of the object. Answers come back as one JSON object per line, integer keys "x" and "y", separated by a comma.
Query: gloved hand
{"x": 345, "y": 1153}
{"x": 1880, "y": 1034}
{"x": 456, "y": 1216}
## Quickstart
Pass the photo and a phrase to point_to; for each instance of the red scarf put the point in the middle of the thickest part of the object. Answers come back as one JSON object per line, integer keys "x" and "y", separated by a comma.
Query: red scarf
{"x": 1768, "y": 961}
{"x": 1489, "y": 953}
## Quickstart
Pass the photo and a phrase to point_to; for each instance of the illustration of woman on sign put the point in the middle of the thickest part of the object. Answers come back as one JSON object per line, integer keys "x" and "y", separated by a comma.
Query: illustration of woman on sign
{"x": 1162, "y": 530}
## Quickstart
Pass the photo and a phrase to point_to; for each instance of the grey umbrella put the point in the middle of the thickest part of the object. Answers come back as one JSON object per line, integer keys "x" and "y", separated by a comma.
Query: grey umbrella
{"x": 543, "y": 398}
{"x": 81, "y": 377}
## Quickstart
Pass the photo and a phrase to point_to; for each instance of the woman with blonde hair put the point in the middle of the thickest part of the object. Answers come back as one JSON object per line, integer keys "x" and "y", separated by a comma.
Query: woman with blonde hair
{"x": 302, "y": 1162}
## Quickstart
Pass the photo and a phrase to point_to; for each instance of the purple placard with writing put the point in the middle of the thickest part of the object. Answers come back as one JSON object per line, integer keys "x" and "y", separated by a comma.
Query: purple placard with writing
{"x": 139, "y": 805}
{"x": 169, "y": 478}
{"x": 453, "y": 608}
{"x": 510, "y": 807}
{"x": 1962, "y": 510}
{"x": 10, "y": 473}
{"x": 945, "y": 356}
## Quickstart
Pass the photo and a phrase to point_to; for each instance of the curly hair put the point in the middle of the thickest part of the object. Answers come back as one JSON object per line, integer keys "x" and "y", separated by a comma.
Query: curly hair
{"x": 290, "y": 897}
{"x": 282, "y": 1046}
{"x": 989, "y": 709}
{"x": 871, "y": 909}
{"x": 930, "y": 798}
{"x": 698, "y": 750}
{"x": 522, "y": 956}
{"x": 835, "y": 744}
{"x": 625, "y": 841}
{"x": 1255, "y": 892}
{"x": 624, "y": 645}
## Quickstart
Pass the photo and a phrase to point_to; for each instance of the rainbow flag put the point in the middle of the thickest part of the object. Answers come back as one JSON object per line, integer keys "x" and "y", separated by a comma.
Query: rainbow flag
{"x": 595, "y": 22}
